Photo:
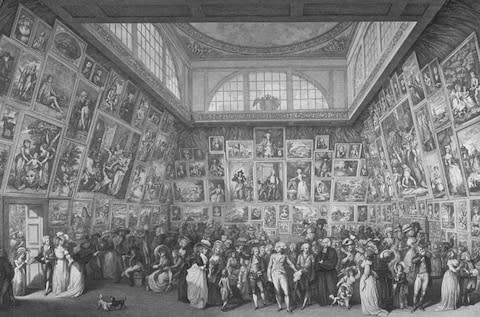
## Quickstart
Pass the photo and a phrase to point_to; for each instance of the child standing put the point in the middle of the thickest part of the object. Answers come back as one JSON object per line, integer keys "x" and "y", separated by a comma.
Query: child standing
{"x": 225, "y": 290}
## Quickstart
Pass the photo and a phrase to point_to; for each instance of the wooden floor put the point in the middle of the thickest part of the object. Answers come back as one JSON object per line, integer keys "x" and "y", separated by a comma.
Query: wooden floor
{"x": 144, "y": 304}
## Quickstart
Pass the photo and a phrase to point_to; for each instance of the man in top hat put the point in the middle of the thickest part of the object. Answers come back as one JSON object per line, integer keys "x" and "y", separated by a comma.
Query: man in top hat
{"x": 422, "y": 269}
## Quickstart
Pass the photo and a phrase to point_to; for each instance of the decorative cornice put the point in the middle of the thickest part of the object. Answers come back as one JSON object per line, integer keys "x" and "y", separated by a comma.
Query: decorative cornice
{"x": 332, "y": 43}
{"x": 127, "y": 57}
{"x": 202, "y": 117}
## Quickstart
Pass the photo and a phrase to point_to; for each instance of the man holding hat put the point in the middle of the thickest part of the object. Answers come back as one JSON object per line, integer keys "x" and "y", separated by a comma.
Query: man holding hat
{"x": 422, "y": 268}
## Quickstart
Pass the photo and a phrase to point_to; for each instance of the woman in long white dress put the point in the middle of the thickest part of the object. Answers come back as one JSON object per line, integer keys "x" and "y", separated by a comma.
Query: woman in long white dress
{"x": 453, "y": 170}
{"x": 60, "y": 270}
{"x": 197, "y": 287}
{"x": 19, "y": 279}
{"x": 76, "y": 280}
{"x": 450, "y": 284}
{"x": 369, "y": 292}
{"x": 160, "y": 279}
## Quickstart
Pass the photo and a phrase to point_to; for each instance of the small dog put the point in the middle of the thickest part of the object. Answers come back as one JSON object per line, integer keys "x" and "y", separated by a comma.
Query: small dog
{"x": 342, "y": 298}
{"x": 109, "y": 303}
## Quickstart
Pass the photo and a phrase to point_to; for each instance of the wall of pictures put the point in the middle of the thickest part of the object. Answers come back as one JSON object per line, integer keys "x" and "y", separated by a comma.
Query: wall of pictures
{"x": 79, "y": 133}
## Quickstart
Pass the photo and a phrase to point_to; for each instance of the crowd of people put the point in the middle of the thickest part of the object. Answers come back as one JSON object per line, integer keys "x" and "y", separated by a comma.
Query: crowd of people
{"x": 210, "y": 265}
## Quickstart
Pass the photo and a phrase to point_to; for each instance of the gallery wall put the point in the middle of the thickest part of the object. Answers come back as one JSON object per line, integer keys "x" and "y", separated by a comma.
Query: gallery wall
{"x": 422, "y": 131}
{"x": 77, "y": 132}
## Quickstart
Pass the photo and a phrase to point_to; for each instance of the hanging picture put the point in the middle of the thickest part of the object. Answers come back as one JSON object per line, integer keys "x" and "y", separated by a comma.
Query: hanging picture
{"x": 144, "y": 217}
{"x": 102, "y": 213}
{"x": 196, "y": 213}
{"x": 451, "y": 162}
{"x": 58, "y": 214}
{"x": 439, "y": 110}
{"x": 354, "y": 150}
{"x": 216, "y": 144}
{"x": 137, "y": 186}
{"x": 322, "y": 190}
{"x": 189, "y": 191}
{"x": 113, "y": 92}
{"x": 400, "y": 138}
{"x": 159, "y": 216}
{"x": 462, "y": 215}
{"x": 425, "y": 128}
{"x": 342, "y": 213}
{"x": 433, "y": 166}
{"x": 284, "y": 213}
{"x": 175, "y": 213}
{"x": 216, "y": 165}
{"x": 83, "y": 108}
{"x": 395, "y": 87}
{"x": 216, "y": 190}
{"x": 341, "y": 150}
{"x": 469, "y": 142}
{"x": 9, "y": 55}
{"x": 241, "y": 181}
{"x": 185, "y": 154}
{"x": 413, "y": 79}
{"x": 345, "y": 168}
{"x": 447, "y": 215}
{"x": 157, "y": 190}
{"x": 56, "y": 89}
{"x": 127, "y": 104}
{"x": 236, "y": 214}
{"x": 199, "y": 154}
{"x": 322, "y": 142}
{"x": 402, "y": 85}
{"x": 436, "y": 76}
{"x": 239, "y": 149}
{"x": 67, "y": 44}
{"x": 461, "y": 70}
{"x": 299, "y": 181}
{"x": 269, "y": 181}
{"x": 41, "y": 37}
{"x": 181, "y": 169}
{"x": 350, "y": 190}
{"x": 34, "y": 156}
{"x": 428, "y": 80}
{"x": 217, "y": 211}
{"x": 147, "y": 144}
{"x": 141, "y": 110}
{"x": 81, "y": 218}
{"x": 119, "y": 215}
{"x": 132, "y": 216}
{"x": 154, "y": 116}
{"x": 4, "y": 155}
{"x": 284, "y": 227}
{"x": 269, "y": 143}
{"x": 25, "y": 77}
{"x": 87, "y": 67}
{"x": 299, "y": 149}
{"x": 270, "y": 217}
{"x": 8, "y": 121}
{"x": 362, "y": 215}
{"x": 99, "y": 75}
{"x": 110, "y": 153}
{"x": 323, "y": 163}
{"x": 475, "y": 217}
{"x": 22, "y": 30}
{"x": 197, "y": 169}
{"x": 68, "y": 169}
{"x": 305, "y": 214}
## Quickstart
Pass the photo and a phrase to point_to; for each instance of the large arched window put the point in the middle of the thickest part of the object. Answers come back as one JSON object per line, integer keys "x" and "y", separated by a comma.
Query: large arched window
{"x": 150, "y": 48}
{"x": 306, "y": 96}
{"x": 268, "y": 91}
{"x": 171, "y": 79}
{"x": 229, "y": 96}
{"x": 358, "y": 71}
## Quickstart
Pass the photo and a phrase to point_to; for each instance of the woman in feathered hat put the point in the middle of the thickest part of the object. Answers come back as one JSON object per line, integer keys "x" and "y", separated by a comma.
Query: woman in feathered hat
{"x": 159, "y": 280}
{"x": 197, "y": 290}
{"x": 215, "y": 268}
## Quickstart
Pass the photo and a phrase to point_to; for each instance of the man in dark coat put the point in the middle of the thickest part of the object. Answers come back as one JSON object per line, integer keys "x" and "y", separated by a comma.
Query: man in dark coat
{"x": 326, "y": 264}
{"x": 6, "y": 277}
{"x": 422, "y": 268}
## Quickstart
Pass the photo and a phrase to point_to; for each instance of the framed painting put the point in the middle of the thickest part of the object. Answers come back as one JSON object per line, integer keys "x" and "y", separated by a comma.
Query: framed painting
{"x": 462, "y": 215}
{"x": 216, "y": 165}
{"x": 475, "y": 217}
{"x": 343, "y": 213}
{"x": 141, "y": 110}
{"x": 269, "y": 143}
{"x": 413, "y": 79}
{"x": 181, "y": 169}
{"x": 159, "y": 216}
{"x": 56, "y": 89}
{"x": 58, "y": 213}
{"x": 83, "y": 108}
{"x": 216, "y": 144}
{"x": 8, "y": 121}
{"x": 137, "y": 185}
{"x": 4, "y": 155}
{"x": 9, "y": 55}
{"x": 425, "y": 128}
{"x": 217, "y": 211}
{"x": 68, "y": 169}
{"x": 433, "y": 166}
{"x": 322, "y": 190}
{"x": 239, "y": 150}
{"x": 345, "y": 168}
{"x": 402, "y": 85}
{"x": 439, "y": 110}
{"x": 23, "y": 25}
{"x": 35, "y": 154}
{"x": 341, "y": 150}
{"x": 127, "y": 104}
{"x": 185, "y": 154}
{"x": 192, "y": 191}
{"x": 323, "y": 164}
{"x": 87, "y": 67}
{"x": 461, "y": 70}
{"x": 284, "y": 227}
{"x": 362, "y": 213}
{"x": 132, "y": 216}
{"x": 81, "y": 218}
{"x": 436, "y": 74}
{"x": 236, "y": 214}
{"x": 147, "y": 143}
{"x": 113, "y": 92}
{"x": 469, "y": 142}
{"x": 195, "y": 213}
{"x": 256, "y": 213}
{"x": 269, "y": 181}
{"x": 240, "y": 181}
{"x": 25, "y": 77}
{"x": 41, "y": 36}
{"x": 299, "y": 181}
{"x": 102, "y": 213}
{"x": 199, "y": 154}
{"x": 395, "y": 87}
{"x": 322, "y": 142}
{"x": 119, "y": 215}
{"x": 154, "y": 116}
{"x": 216, "y": 190}
{"x": 354, "y": 150}
{"x": 67, "y": 45}
{"x": 428, "y": 80}
{"x": 451, "y": 162}
{"x": 270, "y": 217}
{"x": 175, "y": 213}
{"x": 99, "y": 75}
{"x": 350, "y": 190}
{"x": 447, "y": 215}
{"x": 197, "y": 169}
{"x": 144, "y": 216}
{"x": 299, "y": 149}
